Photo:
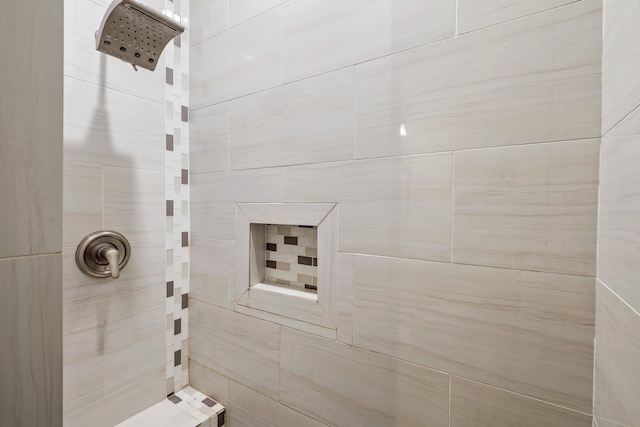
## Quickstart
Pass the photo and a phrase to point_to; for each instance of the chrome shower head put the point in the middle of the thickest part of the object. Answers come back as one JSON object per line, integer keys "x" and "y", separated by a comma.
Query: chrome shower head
{"x": 135, "y": 33}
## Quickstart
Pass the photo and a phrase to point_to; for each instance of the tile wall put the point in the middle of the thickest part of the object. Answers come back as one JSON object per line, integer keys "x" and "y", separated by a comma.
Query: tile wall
{"x": 31, "y": 213}
{"x": 461, "y": 142}
{"x": 123, "y": 339}
{"x": 617, "y": 353}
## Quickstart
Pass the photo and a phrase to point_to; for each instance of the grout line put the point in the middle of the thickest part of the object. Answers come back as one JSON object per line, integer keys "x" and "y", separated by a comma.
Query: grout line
{"x": 355, "y": 117}
{"x": 450, "y": 381}
{"x": 453, "y": 194}
{"x": 619, "y": 297}
{"x": 17, "y": 257}
{"x": 605, "y": 134}
{"x": 457, "y": 17}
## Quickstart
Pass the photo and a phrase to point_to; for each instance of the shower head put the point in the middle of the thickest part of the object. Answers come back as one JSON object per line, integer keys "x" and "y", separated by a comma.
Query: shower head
{"x": 135, "y": 33}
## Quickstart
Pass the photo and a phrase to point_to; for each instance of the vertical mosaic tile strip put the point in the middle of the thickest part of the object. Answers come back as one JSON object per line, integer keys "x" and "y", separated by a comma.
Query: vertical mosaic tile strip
{"x": 291, "y": 256}
{"x": 177, "y": 196}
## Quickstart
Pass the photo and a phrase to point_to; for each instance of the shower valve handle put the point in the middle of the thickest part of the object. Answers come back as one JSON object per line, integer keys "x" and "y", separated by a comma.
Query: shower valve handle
{"x": 110, "y": 254}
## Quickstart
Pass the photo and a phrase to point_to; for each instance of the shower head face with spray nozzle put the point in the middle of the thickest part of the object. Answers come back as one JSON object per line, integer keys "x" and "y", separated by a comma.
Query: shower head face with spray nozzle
{"x": 135, "y": 33}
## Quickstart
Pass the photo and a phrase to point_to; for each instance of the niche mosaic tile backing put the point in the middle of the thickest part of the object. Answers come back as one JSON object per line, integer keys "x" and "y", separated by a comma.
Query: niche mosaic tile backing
{"x": 177, "y": 196}
{"x": 292, "y": 256}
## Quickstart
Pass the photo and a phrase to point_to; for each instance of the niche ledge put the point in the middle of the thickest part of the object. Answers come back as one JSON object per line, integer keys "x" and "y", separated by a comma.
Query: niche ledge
{"x": 309, "y": 310}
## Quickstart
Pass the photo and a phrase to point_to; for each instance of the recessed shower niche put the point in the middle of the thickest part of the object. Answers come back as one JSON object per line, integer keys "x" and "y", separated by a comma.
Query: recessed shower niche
{"x": 286, "y": 264}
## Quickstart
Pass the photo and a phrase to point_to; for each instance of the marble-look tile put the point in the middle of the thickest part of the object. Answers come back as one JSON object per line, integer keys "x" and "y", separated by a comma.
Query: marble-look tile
{"x": 89, "y": 301}
{"x": 524, "y": 331}
{"x": 82, "y": 202}
{"x": 163, "y": 414}
{"x": 31, "y": 129}
{"x": 210, "y": 276}
{"x": 304, "y": 122}
{"x": 532, "y": 207}
{"x": 619, "y": 229}
{"x": 82, "y": 61}
{"x": 110, "y": 128}
{"x": 207, "y": 19}
{"x": 396, "y": 207}
{"x": 242, "y": 10}
{"x": 321, "y": 36}
{"x": 134, "y": 350}
{"x": 209, "y": 382}
{"x": 352, "y": 387}
{"x": 536, "y": 79}
{"x": 83, "y": 367}
{"x": 237, "y": 346}
{"x": 345, "y": 298}
{"x": 117, "y": 407}
{"x": 620, "y": 62}
{"x": 251, "y": 409}
{"x": 473, "y": 15}
{"x": 31, "y": 333}
{"x": 617, "y": 368}
{"x": 214, "y": 196}
{"x": 599, "y": 422}
{"x": 474, "y": 404}
{"x": 134, "y": 203}
{"x": 209, "y": 139}
{"x": 240, "y": 61}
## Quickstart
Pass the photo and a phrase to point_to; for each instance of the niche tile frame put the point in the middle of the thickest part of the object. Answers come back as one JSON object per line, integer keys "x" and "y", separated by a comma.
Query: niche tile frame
{"x": 312, "y": 313}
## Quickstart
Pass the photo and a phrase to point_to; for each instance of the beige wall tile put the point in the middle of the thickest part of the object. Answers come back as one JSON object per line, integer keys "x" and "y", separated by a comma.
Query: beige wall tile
{"x": 31, "y": 333}
{"x": 620, "y": 61}
{"x": 238, "y": 62}
{"x": 321, "y": 36}
{"x": 107, "y": 127}
{"x": 619, "y": 229}
{"x": 532, "y": 207}
{"x": 209, "y": 139}
{"x": 304, "y": 122}
{"x": 250, "y": 409}
{"x": 349, "y": 386}
{"x": 473, "y": 15}
{"x": 345, "y": 298}
{"x": 134, "y": 203}
{"x": 210, "y": 276}
{"x": 533, "y": 80}
{"x": 134, "y": 350}
{"x": 209, "y": 382}
{"x": 241, "y": 10}
{"x": 396, "y": 207}
{"x": 528, "y": 332}
{"x": 82, "y": 201}
{"x": 617, "y": 368}
{"x": 237, "y": 346}
{"x": 479, "y": 405}
{"x": 207, "y": 19}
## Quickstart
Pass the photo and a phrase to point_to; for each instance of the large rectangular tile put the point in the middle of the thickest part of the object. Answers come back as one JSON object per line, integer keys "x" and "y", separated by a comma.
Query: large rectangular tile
{"x": 532, "y": 207}
{"x": 345, "y": 298}
{"x": 620, "y": 62}
{"x": 240, "y": 61}
{"x": 325, "y": 35}
{"x": 209, "y": 382}
{"x": 250, "y": 409}
{"x": 89, "y": 301}
{"x": 134, "y": 350}
{"x": 134, "y": 203}
{"x": 305, "y": 122}
{"x": 528, "y": 332}
{"x": 212, "y": 262}
{"x": 107, "y": 127}
{"x": 353, "y": 387}
{"x": 396, "y": 207}
{"x": 617, "y": 367}
{"x": 241, "y": 10}
{"x": 619, "y": 229}
{"x": 209, "y": 139}
{"x": 214, "y": 195}
{"x": 474, "y": 404}
{"x": 237, "y": 346}
{"x": 31, "y": 333}
{"x": 473, "y": 15}
{"x": 533, "y": 80}
{"x": 82, "y": 202}
{"x": 82, "y": 19}
{"x": 207, "y": 19}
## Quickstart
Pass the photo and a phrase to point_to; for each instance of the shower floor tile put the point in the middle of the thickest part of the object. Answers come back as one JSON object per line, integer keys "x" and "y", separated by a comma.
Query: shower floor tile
{"x": 186, "y": 408}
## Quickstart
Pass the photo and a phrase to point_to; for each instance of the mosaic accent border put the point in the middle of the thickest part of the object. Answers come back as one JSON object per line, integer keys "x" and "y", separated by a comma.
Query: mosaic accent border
{"x": 177, "y": 200}
{"x": 203, "y": 408}
{"x": 291, "y": 256}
